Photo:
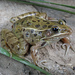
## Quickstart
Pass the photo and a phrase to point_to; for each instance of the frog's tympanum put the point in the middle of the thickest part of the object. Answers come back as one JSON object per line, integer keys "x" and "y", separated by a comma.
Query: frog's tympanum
{"x": 35, "y": 29}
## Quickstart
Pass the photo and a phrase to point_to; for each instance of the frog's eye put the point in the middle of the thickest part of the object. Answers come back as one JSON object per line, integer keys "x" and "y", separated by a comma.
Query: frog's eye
{"x": 64, "y": 20}
{"x": 55, "y": 28}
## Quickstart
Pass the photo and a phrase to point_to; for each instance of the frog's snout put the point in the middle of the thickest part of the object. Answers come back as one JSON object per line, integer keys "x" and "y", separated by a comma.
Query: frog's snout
{"x": 69, "y": 31}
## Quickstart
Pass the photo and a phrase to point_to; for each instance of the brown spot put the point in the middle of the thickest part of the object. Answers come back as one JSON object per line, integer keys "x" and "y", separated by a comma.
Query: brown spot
{"x": 48, "y": 23}
{"x": 23, "y": 29}
{"x": 44, "y": 21}
{"x": 22, "y": 36}
{"x": 12, "y": 26}
{"x": 43, "y": 43}
{"x": 33, "y": 21}
{"x": 49, "y": 26}
{"x": 37, "y": 26}
{"x": 38, "y": 20}
{"x": 44, "y": 26}
{"x": 35, "y": 35}
{"x": 22, "y": 22}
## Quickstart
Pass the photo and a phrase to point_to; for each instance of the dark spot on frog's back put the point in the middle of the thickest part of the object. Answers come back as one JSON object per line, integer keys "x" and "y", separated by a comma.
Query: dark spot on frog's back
{"x": 44, "y": 26}
{"x": 27, "y": 34}
{"x": 29, "y": 23}
{"x": 38, "y": 20}
{"x": 32, "y": 31}
{"x": 49, "y": 26}
{"x": 22, "y": 22}
{"x": 23, "y": 29}
{"x": 44, "y": 21}
{"x": 35, "y": 35}
{"x": 40, "y": 32}
{"x": 37, "y": 26}
{"x": 33, "y": 21}
{"x": 48, "y": 23}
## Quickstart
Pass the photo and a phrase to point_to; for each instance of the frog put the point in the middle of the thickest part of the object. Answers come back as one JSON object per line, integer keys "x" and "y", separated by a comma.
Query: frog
{"x": 35, "y": 29}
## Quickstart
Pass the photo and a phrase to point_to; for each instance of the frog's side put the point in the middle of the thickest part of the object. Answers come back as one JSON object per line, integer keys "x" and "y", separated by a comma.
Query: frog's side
{"x": 35, "y": 30}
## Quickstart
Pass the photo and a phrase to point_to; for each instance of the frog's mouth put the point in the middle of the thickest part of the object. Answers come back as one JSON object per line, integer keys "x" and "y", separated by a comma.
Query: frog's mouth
{"x": 58, "y": 36}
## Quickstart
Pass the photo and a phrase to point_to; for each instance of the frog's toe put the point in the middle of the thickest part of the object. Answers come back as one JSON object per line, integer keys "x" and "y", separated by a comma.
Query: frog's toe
{"x": 10, "y": 53}
{"x": 67, "y": 46}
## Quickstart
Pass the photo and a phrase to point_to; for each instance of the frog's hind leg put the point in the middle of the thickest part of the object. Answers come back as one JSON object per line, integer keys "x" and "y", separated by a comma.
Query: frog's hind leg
{"x": 3, "y": 42}
{"x": 38, "y": 14}
{"x": 13, "y": 44}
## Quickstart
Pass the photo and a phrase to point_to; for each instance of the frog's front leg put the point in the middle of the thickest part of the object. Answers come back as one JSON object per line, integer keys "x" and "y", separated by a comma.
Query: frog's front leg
{"x": 13, "y": 44}
{"x": 34, "y": 50}
{"x": 67, "y": 43}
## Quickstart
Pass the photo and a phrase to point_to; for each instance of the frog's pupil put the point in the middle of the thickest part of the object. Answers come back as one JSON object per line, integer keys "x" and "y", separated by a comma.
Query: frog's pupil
{"x": 55, "y": 29}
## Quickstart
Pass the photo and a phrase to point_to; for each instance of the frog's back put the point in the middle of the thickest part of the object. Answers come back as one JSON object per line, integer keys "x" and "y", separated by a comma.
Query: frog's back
{"x": 34, "y": 22}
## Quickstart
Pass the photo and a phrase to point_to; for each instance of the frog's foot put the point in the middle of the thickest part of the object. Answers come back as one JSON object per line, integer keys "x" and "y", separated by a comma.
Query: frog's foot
{"x": 67, "y": 44}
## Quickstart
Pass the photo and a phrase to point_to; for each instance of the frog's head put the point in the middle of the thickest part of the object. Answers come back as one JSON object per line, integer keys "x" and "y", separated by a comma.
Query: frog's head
{"x": 58, "y": 30}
